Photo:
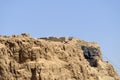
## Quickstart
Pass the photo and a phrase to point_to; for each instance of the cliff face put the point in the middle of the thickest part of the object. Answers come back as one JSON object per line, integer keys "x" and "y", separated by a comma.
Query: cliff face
{"x": 26, "y": 58}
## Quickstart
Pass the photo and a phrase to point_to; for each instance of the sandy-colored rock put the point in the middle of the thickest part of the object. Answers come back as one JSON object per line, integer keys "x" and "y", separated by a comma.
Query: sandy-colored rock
{"x": 26, "y": 58}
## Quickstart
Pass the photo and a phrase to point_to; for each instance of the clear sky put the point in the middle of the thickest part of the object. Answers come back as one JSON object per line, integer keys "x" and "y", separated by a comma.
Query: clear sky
{"x": 90, "y": 20}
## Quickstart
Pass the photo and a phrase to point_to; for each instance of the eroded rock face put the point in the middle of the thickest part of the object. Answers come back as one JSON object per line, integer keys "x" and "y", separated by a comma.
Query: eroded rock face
{"x": 26, "y": 58}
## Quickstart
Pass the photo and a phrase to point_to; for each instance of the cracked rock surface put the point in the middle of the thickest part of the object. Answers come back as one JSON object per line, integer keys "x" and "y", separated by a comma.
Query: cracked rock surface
{"x": 26, "y": 58}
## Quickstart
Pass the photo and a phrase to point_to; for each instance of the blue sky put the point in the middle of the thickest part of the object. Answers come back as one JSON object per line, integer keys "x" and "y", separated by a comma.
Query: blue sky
{"x": 90, "y": 20}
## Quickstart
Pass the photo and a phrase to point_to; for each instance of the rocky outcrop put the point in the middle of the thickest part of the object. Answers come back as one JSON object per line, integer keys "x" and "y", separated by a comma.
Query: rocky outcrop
{"x": 26, "y": 58}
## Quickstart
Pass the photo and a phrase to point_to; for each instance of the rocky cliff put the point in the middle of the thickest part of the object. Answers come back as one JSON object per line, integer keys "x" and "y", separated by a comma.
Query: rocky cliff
{"x": 26, "y": 58}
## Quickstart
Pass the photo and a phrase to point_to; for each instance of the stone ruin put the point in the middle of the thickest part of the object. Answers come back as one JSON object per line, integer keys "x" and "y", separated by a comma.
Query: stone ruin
{"x": 60, "y": 39}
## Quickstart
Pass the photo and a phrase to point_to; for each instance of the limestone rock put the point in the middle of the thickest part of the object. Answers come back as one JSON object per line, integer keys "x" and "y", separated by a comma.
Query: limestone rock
{"x": 26, "y": 58}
